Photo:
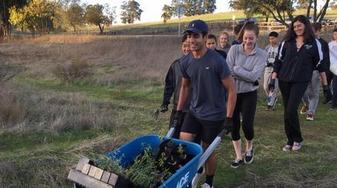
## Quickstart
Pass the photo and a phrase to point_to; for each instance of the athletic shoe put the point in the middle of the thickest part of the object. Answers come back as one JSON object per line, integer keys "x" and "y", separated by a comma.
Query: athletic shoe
{"x": 310, "y": 117}
{"x": 269, "y": 108}
{"x": 249, "y": 157}
{"x": 297, "y": 146}
{"x": 333, "y": 108}
{"x": 304, "y": 109}
{"x": 287, "y": 148}
{"x": 206, "y": 185}
{"x": 237, "y": 163}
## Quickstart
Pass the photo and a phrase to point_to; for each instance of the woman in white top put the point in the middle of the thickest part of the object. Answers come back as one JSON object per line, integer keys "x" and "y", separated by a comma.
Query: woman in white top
{"x": 333, "y": 67}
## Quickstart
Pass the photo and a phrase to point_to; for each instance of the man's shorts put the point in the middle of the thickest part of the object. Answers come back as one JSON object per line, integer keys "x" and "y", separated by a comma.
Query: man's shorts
{"x": 207, "y": 130}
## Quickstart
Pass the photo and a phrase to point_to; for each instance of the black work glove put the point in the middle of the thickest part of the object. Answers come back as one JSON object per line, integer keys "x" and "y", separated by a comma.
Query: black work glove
{"x": 269, "y": 64}
{"x": 271, "y": 85}
{"x": 228, "y": 127}
{"x": 177, "y": 119}
{"x": 327, "y": 93}
{"x": 256, "y": 83}
{"x": 164, "y": 108}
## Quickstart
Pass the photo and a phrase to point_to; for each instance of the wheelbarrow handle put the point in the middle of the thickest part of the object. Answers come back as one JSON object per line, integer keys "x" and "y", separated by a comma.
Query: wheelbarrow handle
{"x": 172, "y": 129}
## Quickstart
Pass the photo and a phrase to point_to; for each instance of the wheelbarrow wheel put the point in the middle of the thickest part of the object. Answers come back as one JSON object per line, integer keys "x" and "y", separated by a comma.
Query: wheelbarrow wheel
{"x": 76, "y": 185}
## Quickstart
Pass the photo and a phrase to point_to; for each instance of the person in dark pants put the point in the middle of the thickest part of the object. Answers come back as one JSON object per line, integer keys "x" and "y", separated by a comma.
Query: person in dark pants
{"x": 311, "y": 95}
{"x": 172, "y": 87}
{"x": 246, "y": 62}
{"x": 299, "y": 54}
{"x": 208, "y": 76}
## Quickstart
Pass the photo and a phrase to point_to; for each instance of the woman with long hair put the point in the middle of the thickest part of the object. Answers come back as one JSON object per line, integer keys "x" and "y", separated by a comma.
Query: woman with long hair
{"x": 246, "y": 62}
{"x": 299, "y": 55}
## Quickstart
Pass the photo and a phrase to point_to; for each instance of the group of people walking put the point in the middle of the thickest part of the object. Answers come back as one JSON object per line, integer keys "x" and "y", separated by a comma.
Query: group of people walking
{"x": 215, "y": 85}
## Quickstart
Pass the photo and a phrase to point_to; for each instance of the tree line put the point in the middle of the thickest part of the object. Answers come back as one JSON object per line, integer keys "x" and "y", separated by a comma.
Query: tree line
{"x": 180, "y": 8}
{"x": 283, "y": 10}
{"x": 43, "y": 16}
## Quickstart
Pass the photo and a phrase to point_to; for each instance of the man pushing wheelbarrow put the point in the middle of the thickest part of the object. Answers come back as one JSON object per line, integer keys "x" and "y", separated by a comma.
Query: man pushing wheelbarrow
{"x": 207, "y": 73}
{"x": 208, "y": 76}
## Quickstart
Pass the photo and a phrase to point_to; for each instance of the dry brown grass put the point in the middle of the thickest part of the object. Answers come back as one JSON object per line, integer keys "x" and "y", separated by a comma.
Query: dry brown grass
{"x": 128, "y": 58}
{"x": 75, "y": 70}
{"x": 11, "y": 109}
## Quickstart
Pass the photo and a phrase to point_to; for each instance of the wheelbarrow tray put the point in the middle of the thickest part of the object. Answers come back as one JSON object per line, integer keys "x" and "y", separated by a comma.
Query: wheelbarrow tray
{"x": 127, "y": 153}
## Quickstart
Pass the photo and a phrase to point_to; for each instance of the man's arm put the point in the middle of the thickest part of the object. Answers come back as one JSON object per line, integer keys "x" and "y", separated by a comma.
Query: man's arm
{"x": 169, "y": 86}
{"x": 228, "y": 83}
{"x": 183, "y": 94}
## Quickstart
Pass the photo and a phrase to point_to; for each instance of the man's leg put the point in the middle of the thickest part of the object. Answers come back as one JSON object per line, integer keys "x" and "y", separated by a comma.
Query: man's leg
{"x": 210, "y": 130}
{"x": 190, "y": 128}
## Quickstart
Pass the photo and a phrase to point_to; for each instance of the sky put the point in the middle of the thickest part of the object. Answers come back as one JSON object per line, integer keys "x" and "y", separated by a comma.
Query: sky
{"x": 152, "y": 9}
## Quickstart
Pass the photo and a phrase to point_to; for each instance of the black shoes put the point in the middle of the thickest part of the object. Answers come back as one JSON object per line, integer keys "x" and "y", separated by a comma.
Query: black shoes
{"x": 237, "y": 163}
{"x": 249, "y": 157}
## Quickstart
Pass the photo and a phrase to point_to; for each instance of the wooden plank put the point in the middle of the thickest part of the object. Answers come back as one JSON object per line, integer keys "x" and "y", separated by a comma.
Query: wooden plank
{"x": 81, "y": 163}
{"x": 98, "y": 173}
{"x": 86, "y": 168}
{"x": 113, "y": 179}
{"x": 92, "y": 171}
{"x": 105, "y": 176}
{"x": 86, "y": 180}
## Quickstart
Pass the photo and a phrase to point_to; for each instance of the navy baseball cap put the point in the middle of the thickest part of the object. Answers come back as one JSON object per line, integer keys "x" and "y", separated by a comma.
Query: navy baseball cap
{"x": 197, "y": 26}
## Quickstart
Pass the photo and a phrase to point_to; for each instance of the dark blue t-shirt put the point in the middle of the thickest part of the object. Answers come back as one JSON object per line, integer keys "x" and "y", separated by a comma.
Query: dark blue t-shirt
{"x": 208, "y": 97}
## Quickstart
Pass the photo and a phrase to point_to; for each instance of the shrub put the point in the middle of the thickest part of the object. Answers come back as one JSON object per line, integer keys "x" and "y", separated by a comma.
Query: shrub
{"x": 11, "y": 110}
{"x": 75, "y": 70}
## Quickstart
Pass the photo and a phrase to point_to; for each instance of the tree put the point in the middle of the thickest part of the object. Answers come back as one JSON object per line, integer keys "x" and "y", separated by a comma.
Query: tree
{"x": 167, "y": 13}
{"x": 209, "y": 6}
{"x": 197, "y": 7}
{"x": 37, "y": 16}
{"x": 333, "y": 4}
{"x": 283, "y": 9}
{"x": 177, "y": 7}
{"x": 130, "y": 11}
{"x": 190, "y": 7}
{"x": 75, "y": 15}
{"x": 94, "y": 14}
{"x": 5, "y": 6}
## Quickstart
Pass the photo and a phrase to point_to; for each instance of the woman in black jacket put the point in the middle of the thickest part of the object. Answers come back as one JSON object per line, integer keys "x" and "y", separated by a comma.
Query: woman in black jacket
{"x": 299, "y": 54}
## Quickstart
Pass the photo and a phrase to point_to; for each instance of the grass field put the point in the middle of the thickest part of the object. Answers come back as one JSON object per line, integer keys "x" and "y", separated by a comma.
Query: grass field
{"x": 63, "y": 97}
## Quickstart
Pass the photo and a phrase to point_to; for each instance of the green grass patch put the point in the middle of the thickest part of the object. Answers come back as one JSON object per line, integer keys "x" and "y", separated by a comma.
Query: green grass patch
{"x": 134, "y": 91}
{"x": 12, "y": 142}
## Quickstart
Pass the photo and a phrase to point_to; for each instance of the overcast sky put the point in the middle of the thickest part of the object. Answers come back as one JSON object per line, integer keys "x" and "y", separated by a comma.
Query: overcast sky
{"x": 152, "y": 9}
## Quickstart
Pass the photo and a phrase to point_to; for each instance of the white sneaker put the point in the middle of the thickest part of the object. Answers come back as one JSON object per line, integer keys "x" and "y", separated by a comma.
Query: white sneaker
{"x": 205, "y": 185}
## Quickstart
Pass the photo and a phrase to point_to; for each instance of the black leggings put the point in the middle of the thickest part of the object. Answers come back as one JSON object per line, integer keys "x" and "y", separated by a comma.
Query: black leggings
{"x": 292, "y": 93}
{"x": 246, "y": 106}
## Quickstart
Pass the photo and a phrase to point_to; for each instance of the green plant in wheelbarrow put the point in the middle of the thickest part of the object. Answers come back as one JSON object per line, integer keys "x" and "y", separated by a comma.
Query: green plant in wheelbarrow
{"x": 149, "y": 170}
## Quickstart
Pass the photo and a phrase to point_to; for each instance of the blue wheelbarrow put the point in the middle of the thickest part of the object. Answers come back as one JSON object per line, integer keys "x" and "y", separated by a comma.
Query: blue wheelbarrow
{"x": 86, "y": 175}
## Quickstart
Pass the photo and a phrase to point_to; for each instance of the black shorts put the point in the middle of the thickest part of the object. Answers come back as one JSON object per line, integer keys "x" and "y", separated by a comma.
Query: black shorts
{"x": 207, "y": 130}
